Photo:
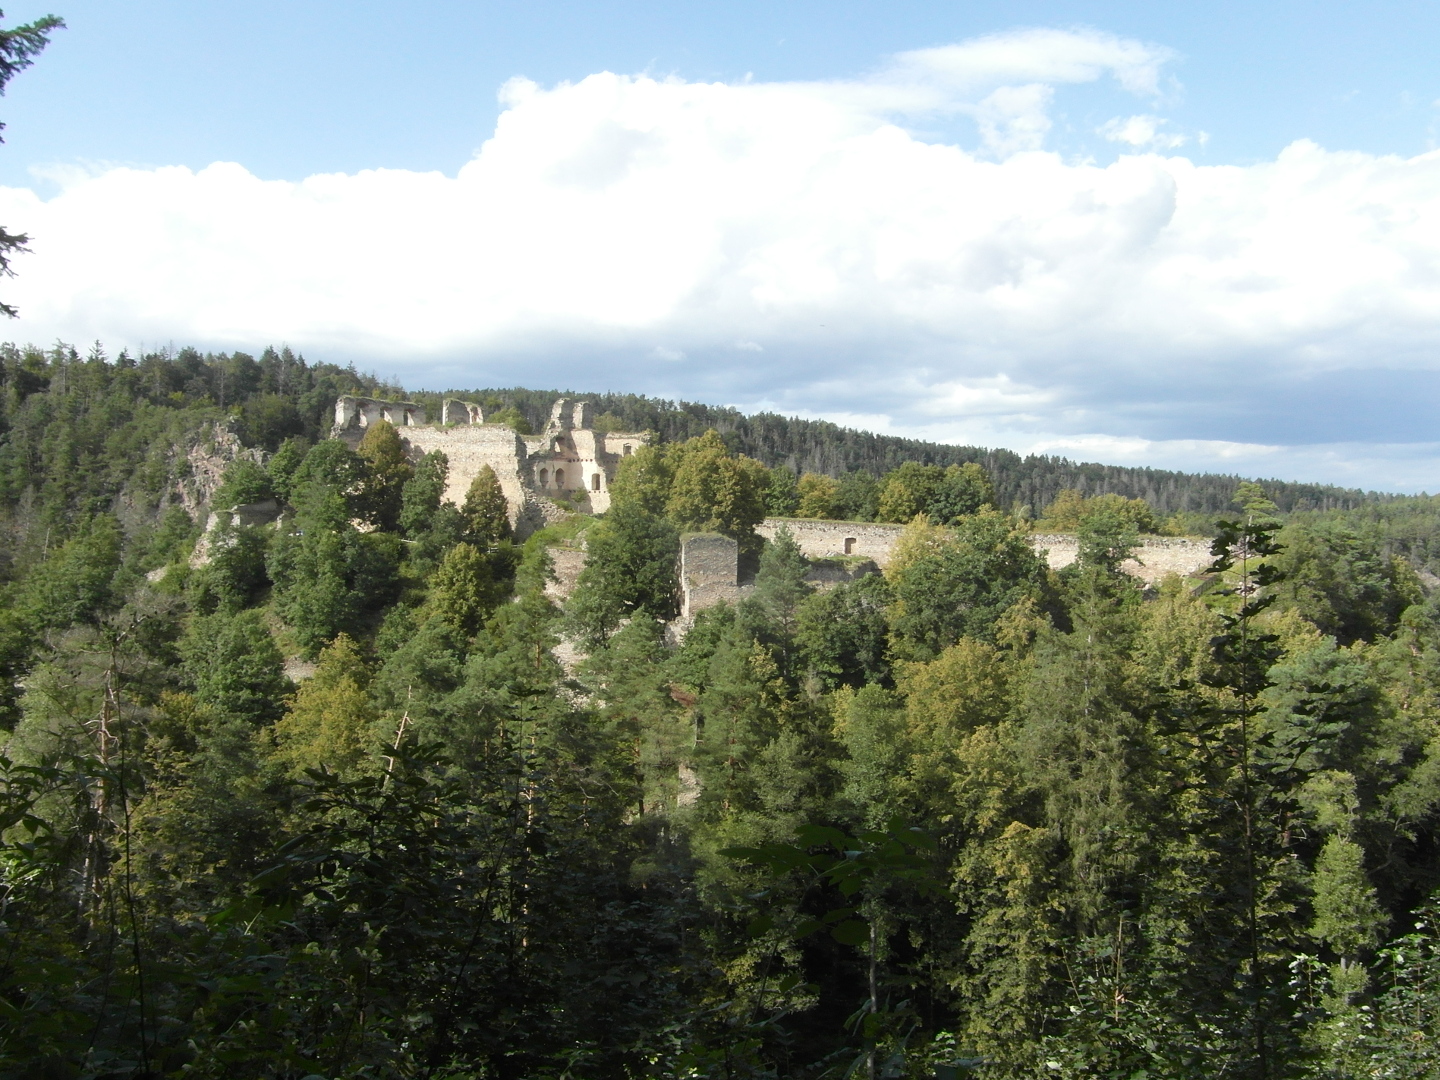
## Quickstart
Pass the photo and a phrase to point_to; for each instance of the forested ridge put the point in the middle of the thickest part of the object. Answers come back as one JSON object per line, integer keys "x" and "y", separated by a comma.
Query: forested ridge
{"x": 354, "y": 792}
{"x": 819, "y": 446}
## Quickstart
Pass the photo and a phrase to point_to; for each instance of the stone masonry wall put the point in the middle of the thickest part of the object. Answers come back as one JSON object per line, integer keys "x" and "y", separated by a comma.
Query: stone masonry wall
{"x": 709, "y": 571}
{"x": 470, "y": 449}
{"x": 1156, "y": 556}
{"x": 709, "y": 563}
{"x": 827, "y": 539}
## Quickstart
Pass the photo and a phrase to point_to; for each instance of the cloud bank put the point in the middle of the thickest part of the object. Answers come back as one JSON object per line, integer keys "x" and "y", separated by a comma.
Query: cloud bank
{"x": 805, "y": 246}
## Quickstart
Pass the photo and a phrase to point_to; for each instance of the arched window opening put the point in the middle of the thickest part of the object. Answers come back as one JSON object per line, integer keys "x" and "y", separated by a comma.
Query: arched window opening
{"x": 627, "y": 449}
{"x": 559, "y": 478}
{"x": 544, "y": 477}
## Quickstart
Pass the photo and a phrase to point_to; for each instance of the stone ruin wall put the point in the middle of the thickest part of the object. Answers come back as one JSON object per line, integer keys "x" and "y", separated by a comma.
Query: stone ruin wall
{"x": 1157, "y": 555}
{"x": 361, "y": 412}
{"x": 709, "y": 562}
{"x": 833, "y": 539}
{"x": 520, "y": 462}
{"x": 469, "y": 449}
{"x": 709, "y": 572}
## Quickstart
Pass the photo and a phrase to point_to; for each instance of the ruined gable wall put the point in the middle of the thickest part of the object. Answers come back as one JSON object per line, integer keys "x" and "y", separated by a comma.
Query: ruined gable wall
{"x": 469, "y": 450}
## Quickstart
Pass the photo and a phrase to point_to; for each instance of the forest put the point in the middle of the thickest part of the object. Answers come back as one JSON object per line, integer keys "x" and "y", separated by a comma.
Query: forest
{"x": 359, "y": 792}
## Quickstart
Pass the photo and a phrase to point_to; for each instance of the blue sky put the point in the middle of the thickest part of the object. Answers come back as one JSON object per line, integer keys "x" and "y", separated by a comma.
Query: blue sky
{"x": 1198, "y": 236}
{"x": 299, "y": 87}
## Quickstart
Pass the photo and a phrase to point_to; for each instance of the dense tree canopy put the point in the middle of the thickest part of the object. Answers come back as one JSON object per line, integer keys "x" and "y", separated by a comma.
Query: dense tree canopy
{"x": 361, "y": 792}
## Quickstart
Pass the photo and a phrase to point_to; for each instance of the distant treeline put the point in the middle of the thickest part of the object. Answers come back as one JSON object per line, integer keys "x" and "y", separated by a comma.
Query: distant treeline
{"x": 822, "y": 447}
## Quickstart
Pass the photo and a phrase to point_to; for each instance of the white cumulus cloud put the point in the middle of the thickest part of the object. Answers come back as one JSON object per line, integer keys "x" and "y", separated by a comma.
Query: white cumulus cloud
{"x": 799, "y": 244}
{"x": 1142, "y": 131}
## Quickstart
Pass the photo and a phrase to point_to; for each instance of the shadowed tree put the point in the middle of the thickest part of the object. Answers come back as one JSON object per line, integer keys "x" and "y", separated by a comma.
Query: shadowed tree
{"x": 18, "y": 48}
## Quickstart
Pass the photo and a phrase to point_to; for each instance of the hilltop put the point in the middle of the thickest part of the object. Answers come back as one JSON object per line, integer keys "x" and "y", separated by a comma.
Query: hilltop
{"x": 822, "y": 447}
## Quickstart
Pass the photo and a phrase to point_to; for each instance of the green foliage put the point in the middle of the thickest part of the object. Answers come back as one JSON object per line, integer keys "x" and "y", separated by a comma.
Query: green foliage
{"x": 944, "y": 495}
{"x": 1348, "y": 916}
{"x": 467, "y": 586}
{"x": 512, "y": 418}
{"x": 328, "y": 576}
{"x": 422, "y": 494}
{"x": 386, "y": 473}
{"x": 630, "y": 570}
{"x": 330, "y": 470}
{"x": 270, "y": 421}
{"x": 74, "y": 584}
{"x": 1071, "y": 510}
{"x": 963, "y": 490}
{"x": 1342, "y": 580}
{"x": 1107, "y": 535}
{"x": 782, "y": 497}
{"x": 818, "y": 495}
{"x": 843, "y": 634}
{"x": 284, "y": 463}
{"x": 486, "y": 514}
{"x": 245, "y": 481}
{"x": 236, "y": 572}
{"x": 1251, "y": 498}
{"x": 643, "y": 479}
{"x": 235, "y": 666}
{"x": 908, "y": 491}
{"x": 858, "y": 497}
{"x": 329, "y": 723}
{"x": 1167, "y": 832}
{"x": 712, "y": 490}
{"x": 780, "y": 584}
{"x": 964, "y": 585}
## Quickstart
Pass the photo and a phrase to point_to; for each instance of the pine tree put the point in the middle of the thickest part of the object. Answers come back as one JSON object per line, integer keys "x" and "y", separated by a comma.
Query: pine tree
{"x": 386, "y": 473}
{"x": 486, "y": 513}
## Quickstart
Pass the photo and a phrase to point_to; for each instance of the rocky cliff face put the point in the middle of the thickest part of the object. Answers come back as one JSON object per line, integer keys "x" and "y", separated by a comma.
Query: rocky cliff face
{"x": 202, "y": 466}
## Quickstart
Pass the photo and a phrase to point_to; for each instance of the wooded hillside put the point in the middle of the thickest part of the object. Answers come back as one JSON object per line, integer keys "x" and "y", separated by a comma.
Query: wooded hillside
{"x": 347, "y": 790}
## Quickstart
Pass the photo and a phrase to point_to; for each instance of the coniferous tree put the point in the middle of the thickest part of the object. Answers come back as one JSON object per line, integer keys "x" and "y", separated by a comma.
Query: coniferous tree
{"x": 486, "y": 513}
{"x": 386, "y": 473}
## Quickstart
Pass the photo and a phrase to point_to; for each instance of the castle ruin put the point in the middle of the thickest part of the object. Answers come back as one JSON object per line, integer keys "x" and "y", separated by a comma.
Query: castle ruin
{"x": 568, "y": 466}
